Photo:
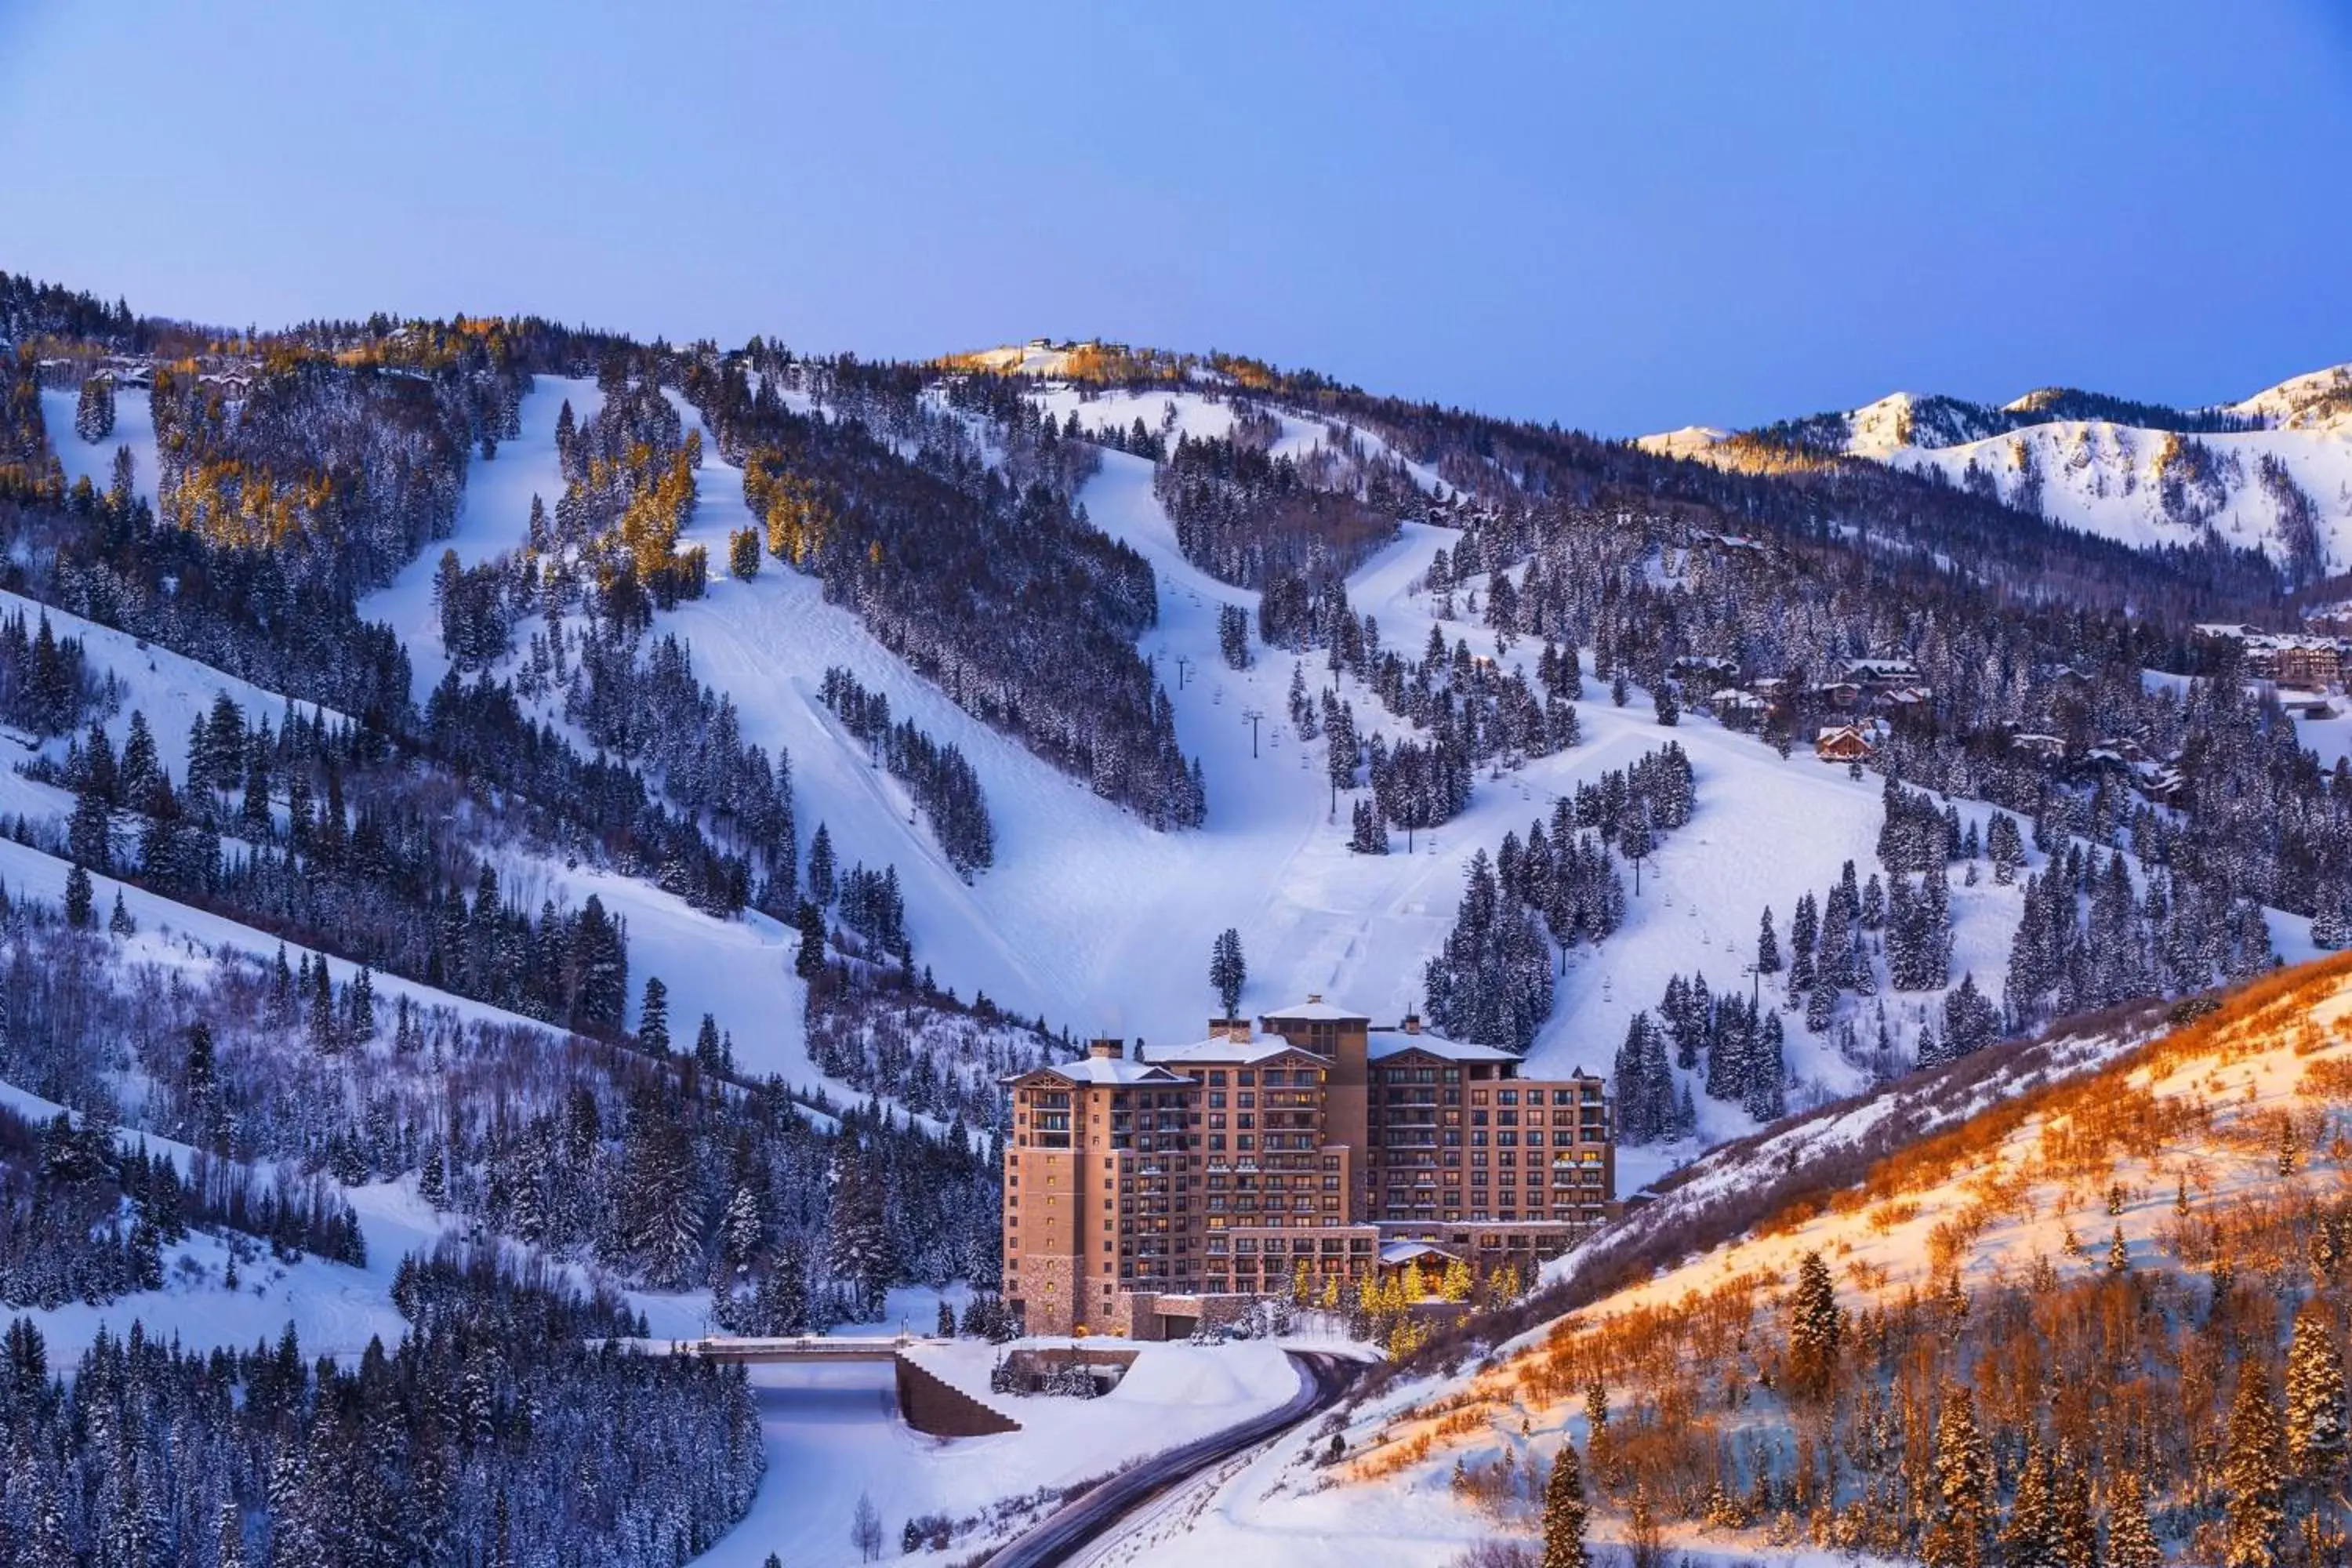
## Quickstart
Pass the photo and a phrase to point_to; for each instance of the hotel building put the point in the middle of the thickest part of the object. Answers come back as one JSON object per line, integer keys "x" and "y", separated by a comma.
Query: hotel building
{"x": 1145, "y": 1192}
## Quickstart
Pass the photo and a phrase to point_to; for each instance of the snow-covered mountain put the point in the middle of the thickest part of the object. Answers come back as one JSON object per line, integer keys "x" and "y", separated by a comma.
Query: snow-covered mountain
{"x": 559, "y": 698}
{"x": 2272, "y": 472}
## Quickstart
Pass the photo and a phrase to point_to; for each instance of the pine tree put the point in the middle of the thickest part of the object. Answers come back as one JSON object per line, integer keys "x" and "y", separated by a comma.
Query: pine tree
{"x": 322, "y": 1008}
{"x": 1766, "y": 1093}
{"x": 80, "y": 913}
{"x": 120, "y": 922}
{"x": 2131, "y": 1538}
{"x": 1816, "y": 1327}
{"x": 1232, "y": 636}
{"x": 1959, "y": 1499}
{"x": 94, "y": 411}
{"x": 1596, "y": 1428}
{"x": 1228, "y": 972}
{"x": 821, "y": 870}
{"x": 1767, "y": 946}
{"x": 2030, "y": 1538}
{"x": 2074, "y": 1534}
{"x": 1564, "y": 1512}
{"x": 2315, "y": 1397}
{"x": 2254, "y": 1514}
{"x": 742, "y": 552}
{"x": 810, "y": 921}
{"x": 652, "y": 1017}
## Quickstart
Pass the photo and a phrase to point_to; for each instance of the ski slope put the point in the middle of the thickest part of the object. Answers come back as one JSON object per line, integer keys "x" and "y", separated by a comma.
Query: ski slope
{"x": 493, "y": 517}
{"x": 1099, "y": 924}
{"x": 134, "y": 427}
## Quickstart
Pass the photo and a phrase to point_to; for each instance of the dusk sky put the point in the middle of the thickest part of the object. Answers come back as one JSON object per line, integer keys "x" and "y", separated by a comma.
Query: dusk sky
{"x": 1624, "y": 219}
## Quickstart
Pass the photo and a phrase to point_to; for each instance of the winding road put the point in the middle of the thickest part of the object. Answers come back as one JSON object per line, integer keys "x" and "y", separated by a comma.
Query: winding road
{"x": 1322, "y": 1378}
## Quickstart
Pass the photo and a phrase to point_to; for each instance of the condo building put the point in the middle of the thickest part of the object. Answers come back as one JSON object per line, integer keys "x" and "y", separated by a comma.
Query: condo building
{"x": 1149, "y": 1191}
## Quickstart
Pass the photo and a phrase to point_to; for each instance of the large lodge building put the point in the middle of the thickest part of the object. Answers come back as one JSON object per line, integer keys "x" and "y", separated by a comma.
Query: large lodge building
{"x": 1144, "y": 1191}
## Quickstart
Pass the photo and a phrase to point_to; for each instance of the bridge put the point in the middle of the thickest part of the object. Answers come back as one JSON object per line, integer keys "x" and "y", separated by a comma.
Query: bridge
{"x": 804, "y": 1347}
{"x": 928, "y": 1401}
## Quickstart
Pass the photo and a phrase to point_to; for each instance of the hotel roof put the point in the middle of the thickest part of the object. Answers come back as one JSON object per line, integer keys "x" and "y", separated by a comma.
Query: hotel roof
{"x": 1114, "y": 1070}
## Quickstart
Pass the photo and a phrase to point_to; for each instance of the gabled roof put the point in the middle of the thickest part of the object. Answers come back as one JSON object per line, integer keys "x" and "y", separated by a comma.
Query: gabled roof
{"x": 1224, "y": 1051}
{"x": 1315, "y": 1010}
{"x": 1396, "y": 1043}
{"x": 1396, "y": 1252}
{"x": 1118, "y": 1071}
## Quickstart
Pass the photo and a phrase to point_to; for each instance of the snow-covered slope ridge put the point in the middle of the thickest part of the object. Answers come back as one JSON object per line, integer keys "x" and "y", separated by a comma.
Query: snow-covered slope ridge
{"x": 1100, "y": 924}
{"x": 2090, "y": 1175}
{"x": 2272, "y": 472}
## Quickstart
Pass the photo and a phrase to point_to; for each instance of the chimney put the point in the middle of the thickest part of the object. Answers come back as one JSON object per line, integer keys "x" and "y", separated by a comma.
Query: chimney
{"x": 1238, "y": 1030}
{"x": 1412, "y": 1023}
{"x": 1111, "y": 1048}
{"x": 1315, "y": 996}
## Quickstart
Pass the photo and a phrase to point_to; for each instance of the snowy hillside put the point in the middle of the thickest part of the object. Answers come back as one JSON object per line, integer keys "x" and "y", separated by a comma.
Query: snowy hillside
{"x": 2286, "y": 491}
{"x": 2272, "y": 472}
{"x": 2318, "y": 400}
{"x": 1097, "y": 924}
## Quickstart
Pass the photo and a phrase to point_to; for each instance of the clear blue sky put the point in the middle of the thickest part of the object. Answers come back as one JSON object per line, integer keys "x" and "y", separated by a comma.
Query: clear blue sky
{"x": 1624, "y": 218}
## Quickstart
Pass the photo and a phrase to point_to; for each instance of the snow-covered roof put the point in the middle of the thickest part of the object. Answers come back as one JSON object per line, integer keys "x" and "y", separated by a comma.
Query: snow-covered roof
{"x": 1396, "y": 1252}
{"x": 1315, "y": 1010}
{"x": 1396, "y": 1043}
{"x": 1115, "y": 1070}
{"x": 1224, "y": 1048}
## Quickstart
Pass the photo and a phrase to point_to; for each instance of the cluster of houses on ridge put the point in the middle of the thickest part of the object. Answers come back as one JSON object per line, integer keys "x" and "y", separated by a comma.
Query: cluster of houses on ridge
{"x": 1871, "y": 696}
{"x": 233, "y": 374}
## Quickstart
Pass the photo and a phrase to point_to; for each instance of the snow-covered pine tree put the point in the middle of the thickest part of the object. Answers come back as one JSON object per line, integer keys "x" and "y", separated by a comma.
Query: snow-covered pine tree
{"x": 1959, "y": 1493}
{"x": 1971, "y": 1022}
{"x": 79, "y": 899}
{"x": 2073, "y": 1533}
{"x": 1232, "y": 636}
{"x": 2252, "y": 1479}
{"x": 2315, "y": 1440}
{"x": 2131, "y": 1537}
{"x": 1766, "y": 1094}
{"x": 1564, "y": 1512}
{"x": 652, "y": 1017}
{"x": 2029, "y": 1538}
{"x": 1228, "y": 971}
{"x": 94, "y": 410}
{"x": 1816, "y": 1328}
{"x": 1804, "y": 926}
{"x": 822, "y": 871}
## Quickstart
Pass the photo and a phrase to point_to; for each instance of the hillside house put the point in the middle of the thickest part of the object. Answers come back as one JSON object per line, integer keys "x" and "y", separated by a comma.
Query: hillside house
{"x": 1842, "y": 743}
